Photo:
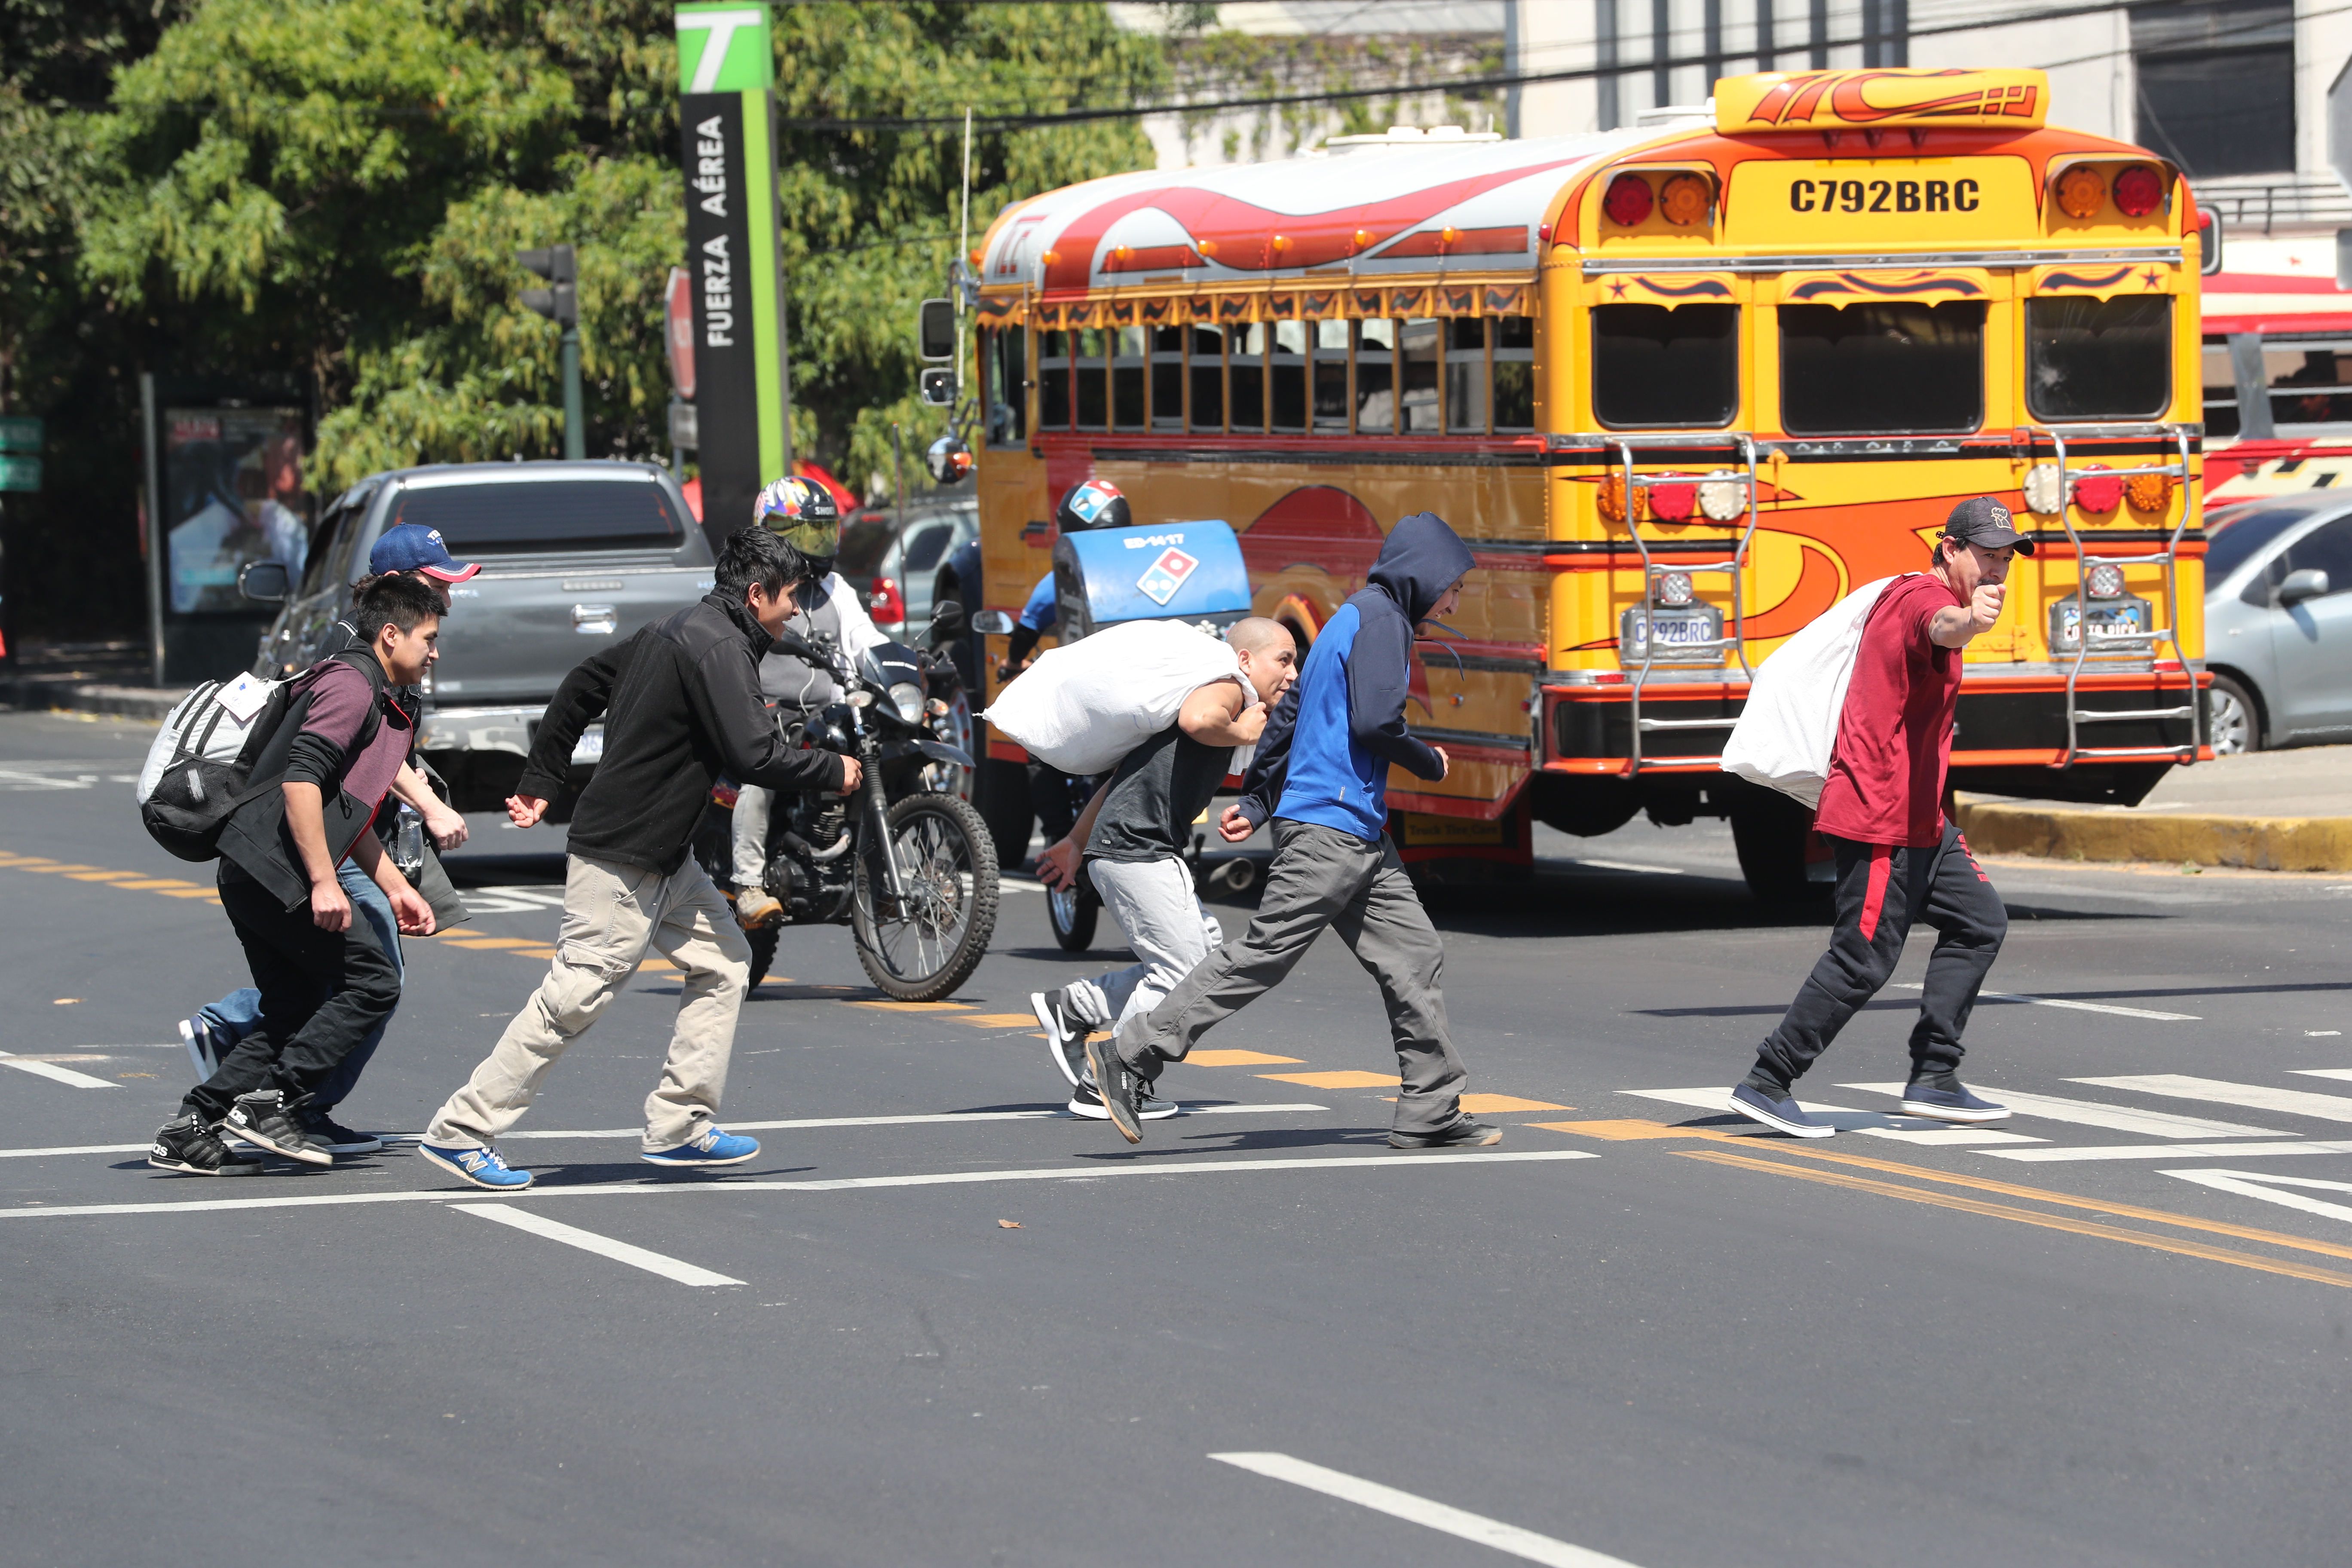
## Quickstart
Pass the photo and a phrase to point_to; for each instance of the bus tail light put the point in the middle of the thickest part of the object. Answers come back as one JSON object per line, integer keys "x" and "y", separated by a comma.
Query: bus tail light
{"x": 1723, "y": 497}
{"x": 2095, "y": 490}
{"x": 1686, "y": 199}
{"x": 1674, "y": 503}
{"x": 2149, "y": 492}
{"x": 1612, "y": 499}
{"x": 2105, "y": 583}
{"x": 1629, "y": 200}
{"x": 2041, "y": 494}
{"x": 2081, "y": 191}
{"x": 2139, "y": 191}
{"x": 1673, "y": 589}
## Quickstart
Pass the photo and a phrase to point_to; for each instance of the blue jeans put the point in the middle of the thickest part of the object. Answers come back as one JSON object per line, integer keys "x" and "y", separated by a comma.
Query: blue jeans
{"x": 238, "y": 1013}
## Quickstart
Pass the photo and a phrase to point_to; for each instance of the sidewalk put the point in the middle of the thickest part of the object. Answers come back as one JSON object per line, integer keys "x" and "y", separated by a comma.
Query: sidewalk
{"x": 2272, "y": 811}
{"x": 86, "y": 678}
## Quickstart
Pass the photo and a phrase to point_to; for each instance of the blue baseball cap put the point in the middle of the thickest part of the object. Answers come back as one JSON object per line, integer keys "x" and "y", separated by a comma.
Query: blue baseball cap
{"x": 413, "y": 547}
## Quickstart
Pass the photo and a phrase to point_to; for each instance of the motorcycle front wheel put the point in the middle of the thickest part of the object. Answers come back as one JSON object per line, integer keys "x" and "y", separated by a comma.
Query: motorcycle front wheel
{"x": 1072, "y": 914}
{"x": 921, "y": 948}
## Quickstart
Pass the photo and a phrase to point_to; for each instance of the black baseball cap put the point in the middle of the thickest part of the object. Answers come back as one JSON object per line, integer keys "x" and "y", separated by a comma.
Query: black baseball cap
{"x": 1984, "y": 520}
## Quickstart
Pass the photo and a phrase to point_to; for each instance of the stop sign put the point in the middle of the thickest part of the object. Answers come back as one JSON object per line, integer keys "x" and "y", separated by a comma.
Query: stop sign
{"x": 679, "y": 341}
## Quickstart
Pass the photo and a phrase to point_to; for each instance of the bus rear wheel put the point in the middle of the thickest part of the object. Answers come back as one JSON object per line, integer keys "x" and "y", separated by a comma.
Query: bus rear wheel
{"x": 1773, "y": 835}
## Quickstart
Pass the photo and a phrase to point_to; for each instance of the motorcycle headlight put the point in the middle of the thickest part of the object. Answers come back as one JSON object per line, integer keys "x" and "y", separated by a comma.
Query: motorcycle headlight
{"x": 908, "y": 698}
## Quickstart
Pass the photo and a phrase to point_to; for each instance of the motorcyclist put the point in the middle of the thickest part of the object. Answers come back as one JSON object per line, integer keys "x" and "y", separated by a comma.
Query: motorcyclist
{"x": 1054, "y": 797}
{"x": 804, "y": 515}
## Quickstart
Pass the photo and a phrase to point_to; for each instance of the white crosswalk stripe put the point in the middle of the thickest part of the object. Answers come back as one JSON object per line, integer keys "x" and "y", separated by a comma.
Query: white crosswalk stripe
{"x": 2217, "y": 1091}
{"x": 2091, "y": 1113}
{"x": 1845, "y": 1118}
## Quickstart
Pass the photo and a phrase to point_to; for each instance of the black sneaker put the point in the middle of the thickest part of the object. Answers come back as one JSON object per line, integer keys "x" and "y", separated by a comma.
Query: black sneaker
{"x": 1464, "y": 1134}
{"x": 1116, "y": 1086}
{"x": 1065, "y": 1037}
{"x": 1086, "y": 1102}
{"x": 326, "y": 1133}
{"x": 1949, "y": 1101}
{"x": 264, "y": 1120}
{"x": 187, "y": 1145}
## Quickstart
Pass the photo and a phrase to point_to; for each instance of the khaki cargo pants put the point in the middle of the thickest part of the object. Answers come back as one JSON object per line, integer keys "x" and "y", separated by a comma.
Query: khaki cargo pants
{"x": 612, "y": 915}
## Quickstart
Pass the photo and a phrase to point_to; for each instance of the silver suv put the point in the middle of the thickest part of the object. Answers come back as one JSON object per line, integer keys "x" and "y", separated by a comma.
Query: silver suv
{"x": 2278, "y": 622}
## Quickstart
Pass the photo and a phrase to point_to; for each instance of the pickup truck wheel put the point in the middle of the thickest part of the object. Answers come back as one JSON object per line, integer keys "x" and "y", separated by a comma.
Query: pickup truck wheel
{"x": 922, "y": 948}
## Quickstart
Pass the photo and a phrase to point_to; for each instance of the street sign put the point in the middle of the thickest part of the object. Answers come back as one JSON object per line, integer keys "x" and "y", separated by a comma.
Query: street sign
{"x": 20, "y": 433}
{"x": 724, "y": 48}
{"x": 678, "y": 305}
{"x": 683, "y": 432}
{"x": 20, "y": 474}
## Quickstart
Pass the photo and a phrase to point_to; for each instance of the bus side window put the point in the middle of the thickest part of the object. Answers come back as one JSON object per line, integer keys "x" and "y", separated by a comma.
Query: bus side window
{"x": 1053, "y": 380}
{"x": 1245, "y": 375}
{"x": 1168, "y": 378}
{"x": 1287, "y": 373}
{"x": 1376, "y": 378}
{"x": 1331, "y": 377}
{"x": 1465, "y": 375}
{"x": 1417, "y": 352}
{"x": 1093, "y": 364}
{"x": 1008, "y": 392}
{"x": 1655, "y": 366}
{"x": 1127, "y": 378}
{"x": 1205, "y": 359}
{"x": 1514, "y": 375}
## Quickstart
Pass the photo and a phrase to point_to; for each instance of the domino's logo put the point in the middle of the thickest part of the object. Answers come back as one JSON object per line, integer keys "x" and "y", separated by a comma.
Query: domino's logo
{"x": 1165, "y": 575}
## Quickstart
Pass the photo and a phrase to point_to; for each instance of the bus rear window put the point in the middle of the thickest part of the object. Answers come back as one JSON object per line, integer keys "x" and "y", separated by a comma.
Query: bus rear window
{"x": 532, "y": 517}
{"x": 1655, "y": 366}
{"x": 2098, "y": 359}
{"x": 1891, "y": 368}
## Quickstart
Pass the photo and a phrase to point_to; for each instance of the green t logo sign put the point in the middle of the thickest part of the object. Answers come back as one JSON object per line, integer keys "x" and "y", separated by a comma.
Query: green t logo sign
{"x": 723, "y": 49}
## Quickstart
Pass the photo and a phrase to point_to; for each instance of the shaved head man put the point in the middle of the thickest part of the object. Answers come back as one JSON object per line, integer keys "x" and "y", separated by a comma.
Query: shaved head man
{"x": 1132, "y": 837}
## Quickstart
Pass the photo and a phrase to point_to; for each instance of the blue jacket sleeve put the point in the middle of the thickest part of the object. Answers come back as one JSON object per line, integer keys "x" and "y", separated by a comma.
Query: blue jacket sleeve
{"x": 1380, "y": 679}
{"x": 1270, "y": 764}
{"x": 1037, "y": 614}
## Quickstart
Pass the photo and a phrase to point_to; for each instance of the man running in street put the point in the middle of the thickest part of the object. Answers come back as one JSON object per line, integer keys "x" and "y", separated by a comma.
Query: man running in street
{"x": 1132, "y": 837}
{"x": 1323, "y": 767}
{"x": 1898, "y": 860}
{"x": 681, "y": 703}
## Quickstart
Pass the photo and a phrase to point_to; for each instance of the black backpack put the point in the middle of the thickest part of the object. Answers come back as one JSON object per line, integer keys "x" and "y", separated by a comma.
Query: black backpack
{"x": 195, "y": 795}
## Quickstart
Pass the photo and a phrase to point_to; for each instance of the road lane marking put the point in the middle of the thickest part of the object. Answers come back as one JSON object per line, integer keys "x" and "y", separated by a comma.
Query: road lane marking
{"x": 2170, "y": 1151}
{"x": 1344, "y": 1080}
{"x": 2114, "y": 1118}
{"x": 602, "y": 1246}
{"x": 735, "y": 1126}
{"x": 2321, "y": 1073}
{"x": 2027, "y": 1216}
{"x": 997, "y": 1020}
{"x": 1920, "y": 1131}
{"x": 2253, "y": 1095}
{"x": 1422, "y": 1510}
{"x": 50, "y": 1070}
{"x": 846, "y": 1184}
{"x": 2249, "y": 1184}
{"x": 1631, "y": 866}
{"x": 1238, "y": 1059}
{"x": 2067, "y": 1003}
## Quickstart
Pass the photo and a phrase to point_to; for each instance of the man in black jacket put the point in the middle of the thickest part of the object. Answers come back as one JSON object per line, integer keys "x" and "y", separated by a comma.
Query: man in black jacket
{"x": 681, "y": 705}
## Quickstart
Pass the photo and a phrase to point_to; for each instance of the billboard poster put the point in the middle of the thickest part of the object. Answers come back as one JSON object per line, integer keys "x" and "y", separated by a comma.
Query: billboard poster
{"x": 233, "y": 494}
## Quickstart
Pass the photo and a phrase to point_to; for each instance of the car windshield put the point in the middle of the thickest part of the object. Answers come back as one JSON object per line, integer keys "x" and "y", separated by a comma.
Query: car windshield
{"x": 863, "y": 544}
{"x": 2231, "y": 542}
{"x": 522, "y": 518}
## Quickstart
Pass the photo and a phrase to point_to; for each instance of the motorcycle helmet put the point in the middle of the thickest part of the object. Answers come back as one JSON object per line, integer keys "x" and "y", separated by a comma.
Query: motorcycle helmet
{"x": 1095, "y": 503}
{"x": 802, "y": 513}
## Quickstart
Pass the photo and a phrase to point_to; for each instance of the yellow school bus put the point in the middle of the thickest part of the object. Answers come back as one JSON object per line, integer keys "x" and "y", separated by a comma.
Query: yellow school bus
{"x": 1680, "y": 387}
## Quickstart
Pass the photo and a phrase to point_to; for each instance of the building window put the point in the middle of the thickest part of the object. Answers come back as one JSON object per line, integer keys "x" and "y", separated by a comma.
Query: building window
{"x": 2216, "y": 84}
{"x": 1287, "y": 371}
{"x": 1417, "y": 365}
{"x": 1888, "y": 368}
{"x": 1245, "y": 375}
{"x": 1205, "y": 368}
{"x": 2098, "y": 359}
{"x": 1127, "y": 367}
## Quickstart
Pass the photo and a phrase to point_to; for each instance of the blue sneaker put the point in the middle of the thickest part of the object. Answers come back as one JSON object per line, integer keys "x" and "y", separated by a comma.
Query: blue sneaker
{"x": 1779, "y": 1115}
{"x": 480, "y": 1166}
{"x": 1953, "y": 1104}
{"x": 711, "y": 1146}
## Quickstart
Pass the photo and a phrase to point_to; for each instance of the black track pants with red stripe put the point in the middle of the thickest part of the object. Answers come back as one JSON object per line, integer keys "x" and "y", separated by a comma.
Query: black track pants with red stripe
{"x": 1881, "y": 891}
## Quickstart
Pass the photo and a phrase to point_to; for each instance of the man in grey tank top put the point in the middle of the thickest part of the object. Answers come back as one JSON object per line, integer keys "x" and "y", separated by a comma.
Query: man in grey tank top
{"x": 1132, "y": 837}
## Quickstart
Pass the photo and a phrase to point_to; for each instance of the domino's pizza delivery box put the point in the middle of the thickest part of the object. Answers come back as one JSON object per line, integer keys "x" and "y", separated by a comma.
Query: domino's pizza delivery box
{"x": 1159, "y": 572}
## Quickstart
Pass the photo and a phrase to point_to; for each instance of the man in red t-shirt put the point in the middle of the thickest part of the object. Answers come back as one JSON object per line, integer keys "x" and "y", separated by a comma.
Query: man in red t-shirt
{"x": 1898, "y": 860}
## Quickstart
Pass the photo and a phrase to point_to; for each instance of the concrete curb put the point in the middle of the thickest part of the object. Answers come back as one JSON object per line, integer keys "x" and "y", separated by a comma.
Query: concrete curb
{"x": 131, "y": 701}
{"x": 2260, "y": 843}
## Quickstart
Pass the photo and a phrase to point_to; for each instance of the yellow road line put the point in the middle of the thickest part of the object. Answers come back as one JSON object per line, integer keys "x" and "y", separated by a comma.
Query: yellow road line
{"x": 2026, "y": 1217}
{"x": 914, "y": 1007}
{"x": 1238, "y": 1059}
{"x": 1335, "y": 1079}
{"x": 996, "y": 1020}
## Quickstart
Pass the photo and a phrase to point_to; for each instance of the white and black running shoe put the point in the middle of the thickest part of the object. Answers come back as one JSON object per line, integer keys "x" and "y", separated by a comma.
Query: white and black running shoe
{"x": 1065, "y": 1034}
{"x": 1086, "y": 1102}
{"x": 187, "y": 1145}
{"x": 264, "y": 1120}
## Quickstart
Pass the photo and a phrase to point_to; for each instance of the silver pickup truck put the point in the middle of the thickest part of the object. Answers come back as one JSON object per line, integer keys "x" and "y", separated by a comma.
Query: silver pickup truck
{"x": 573, "y": 555}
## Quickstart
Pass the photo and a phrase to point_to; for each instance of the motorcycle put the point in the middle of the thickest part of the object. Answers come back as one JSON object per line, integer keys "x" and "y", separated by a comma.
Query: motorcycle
{"x": 905, "y": 862}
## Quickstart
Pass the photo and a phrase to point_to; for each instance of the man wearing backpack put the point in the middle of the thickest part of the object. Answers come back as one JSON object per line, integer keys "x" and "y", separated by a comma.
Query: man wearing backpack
{"x": 1898, "y": 860}
{"x": 326, "y": 982}
{"x": 681, "y": 705}
{"x": 413, "y": 550}
{"x": 1321, "y": 771}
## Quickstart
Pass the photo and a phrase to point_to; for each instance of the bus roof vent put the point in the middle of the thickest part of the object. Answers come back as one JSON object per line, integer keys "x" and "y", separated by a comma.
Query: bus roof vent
{"x": 1414, "y": 136}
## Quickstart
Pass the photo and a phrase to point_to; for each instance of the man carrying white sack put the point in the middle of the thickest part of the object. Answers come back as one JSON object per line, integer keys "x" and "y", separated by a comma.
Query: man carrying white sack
{"x": 1132, "y": 837}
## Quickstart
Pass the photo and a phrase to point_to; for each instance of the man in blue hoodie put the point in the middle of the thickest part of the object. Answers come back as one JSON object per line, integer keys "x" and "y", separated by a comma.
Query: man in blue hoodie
{"x": 1324, "y": 766}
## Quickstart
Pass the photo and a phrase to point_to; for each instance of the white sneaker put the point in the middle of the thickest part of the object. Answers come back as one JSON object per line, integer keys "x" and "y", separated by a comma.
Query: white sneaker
{"x": 1086, "y": 1102}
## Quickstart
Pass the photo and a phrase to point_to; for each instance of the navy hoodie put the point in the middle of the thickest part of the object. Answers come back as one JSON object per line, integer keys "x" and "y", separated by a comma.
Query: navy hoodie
{"x": 1324, "y": 755}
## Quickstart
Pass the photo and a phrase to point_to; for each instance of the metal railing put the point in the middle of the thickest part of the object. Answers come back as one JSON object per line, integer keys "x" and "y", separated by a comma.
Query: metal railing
{"x": 2077, "y": 715}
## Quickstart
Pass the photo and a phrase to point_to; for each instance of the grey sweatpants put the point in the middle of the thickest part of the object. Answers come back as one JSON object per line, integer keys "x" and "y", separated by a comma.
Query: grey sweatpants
{"x": 1323, "y": 877}
{"x": 1163, "y": 918}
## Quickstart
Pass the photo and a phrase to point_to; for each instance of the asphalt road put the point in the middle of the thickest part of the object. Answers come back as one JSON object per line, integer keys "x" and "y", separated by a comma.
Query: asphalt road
{"x": 2116, "y": 1336}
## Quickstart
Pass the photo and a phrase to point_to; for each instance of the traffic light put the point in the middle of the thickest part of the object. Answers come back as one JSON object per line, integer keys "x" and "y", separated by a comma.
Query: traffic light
{"x": 560, "y": 266}
{"x": 560, "y": 303}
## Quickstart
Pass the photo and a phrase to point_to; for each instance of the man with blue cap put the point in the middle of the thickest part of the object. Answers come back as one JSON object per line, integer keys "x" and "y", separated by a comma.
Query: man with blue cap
{"x": 216, "y": 1028}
